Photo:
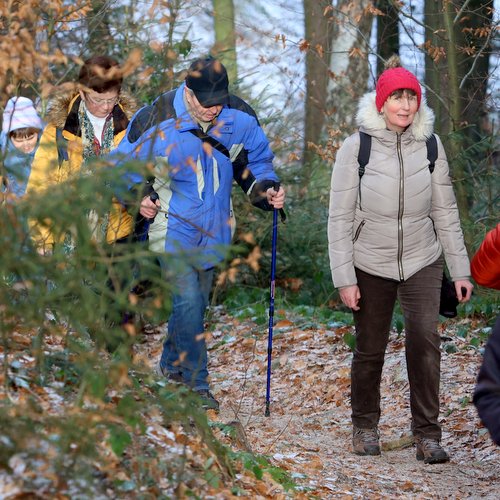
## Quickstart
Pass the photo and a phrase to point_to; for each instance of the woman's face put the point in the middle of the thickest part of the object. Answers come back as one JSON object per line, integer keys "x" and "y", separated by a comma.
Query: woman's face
{"x": 399, "y": 110}
{"x": 100, "y": 104}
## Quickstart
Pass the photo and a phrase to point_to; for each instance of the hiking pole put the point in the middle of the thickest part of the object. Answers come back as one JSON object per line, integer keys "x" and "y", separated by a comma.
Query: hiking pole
{"x": 271, "y": 310}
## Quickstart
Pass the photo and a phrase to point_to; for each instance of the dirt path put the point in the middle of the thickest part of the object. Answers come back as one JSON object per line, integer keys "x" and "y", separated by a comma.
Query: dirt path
{"x": 309, "y": 431}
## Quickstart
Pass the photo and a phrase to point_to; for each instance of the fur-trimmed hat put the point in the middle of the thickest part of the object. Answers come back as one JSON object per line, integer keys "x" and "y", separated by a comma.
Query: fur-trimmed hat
{"x": 19, "y": 113}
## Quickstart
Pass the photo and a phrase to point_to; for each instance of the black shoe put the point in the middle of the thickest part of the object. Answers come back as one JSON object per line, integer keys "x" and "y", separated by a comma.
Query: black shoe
{"x": 208, "y": 402}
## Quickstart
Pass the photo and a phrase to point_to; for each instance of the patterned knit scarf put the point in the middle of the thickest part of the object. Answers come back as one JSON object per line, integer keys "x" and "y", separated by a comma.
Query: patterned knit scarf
{"x": 92, "y": 149}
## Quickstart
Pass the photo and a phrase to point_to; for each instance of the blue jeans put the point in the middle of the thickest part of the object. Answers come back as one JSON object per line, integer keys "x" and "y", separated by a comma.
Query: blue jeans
{"x": 184, "y": 350}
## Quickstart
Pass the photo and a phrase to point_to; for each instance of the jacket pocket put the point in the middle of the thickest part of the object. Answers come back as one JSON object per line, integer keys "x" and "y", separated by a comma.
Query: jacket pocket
{"x": 433, "y": 227}
{"x": 358, "y": 231}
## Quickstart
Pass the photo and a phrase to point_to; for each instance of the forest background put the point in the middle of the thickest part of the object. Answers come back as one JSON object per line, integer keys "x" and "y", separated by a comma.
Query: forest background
{"x": 303, "y": 67}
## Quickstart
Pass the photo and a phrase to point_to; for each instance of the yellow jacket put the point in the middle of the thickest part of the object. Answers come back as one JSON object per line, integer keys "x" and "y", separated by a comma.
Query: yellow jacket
{"x": 48, "y": 169}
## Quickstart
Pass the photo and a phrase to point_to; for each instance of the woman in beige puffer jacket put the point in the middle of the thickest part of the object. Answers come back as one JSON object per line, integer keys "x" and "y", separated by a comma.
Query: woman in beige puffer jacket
{"x": 387, "y": 233}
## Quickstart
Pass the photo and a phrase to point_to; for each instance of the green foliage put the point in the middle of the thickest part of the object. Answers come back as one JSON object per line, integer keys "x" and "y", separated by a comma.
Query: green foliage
{"x": 302, "y": 268}
{"x": 483, "y": 302}
{"x": 479, "y": 338}
{"x": 119, "y": 439}
{"x": 350, "y": 340}
{"x": 70, "y": 303}
{"x": 259, "y": 465}
{"x": 398, "y": 322}
{"x": 477, "y": 156}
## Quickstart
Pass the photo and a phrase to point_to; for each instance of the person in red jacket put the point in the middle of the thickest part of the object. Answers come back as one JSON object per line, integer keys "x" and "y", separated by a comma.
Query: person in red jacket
{"x": 485, "y": 267}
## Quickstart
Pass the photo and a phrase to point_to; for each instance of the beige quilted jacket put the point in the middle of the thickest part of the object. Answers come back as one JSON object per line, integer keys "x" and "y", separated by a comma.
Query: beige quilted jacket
{"x": 400, "y": 218}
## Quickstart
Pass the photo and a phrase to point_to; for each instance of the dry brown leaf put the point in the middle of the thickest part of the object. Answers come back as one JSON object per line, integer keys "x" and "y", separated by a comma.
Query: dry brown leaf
{"x": 283, "y": 323}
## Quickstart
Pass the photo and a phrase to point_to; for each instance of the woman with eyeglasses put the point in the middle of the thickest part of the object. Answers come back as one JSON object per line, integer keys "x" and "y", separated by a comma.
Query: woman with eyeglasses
{"x": 83, "y": 124}
{"x": 388, "y": 230}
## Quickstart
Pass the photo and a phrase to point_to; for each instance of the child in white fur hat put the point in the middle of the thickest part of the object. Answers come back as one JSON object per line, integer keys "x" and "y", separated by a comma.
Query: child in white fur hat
{"x": 21, "y": 130}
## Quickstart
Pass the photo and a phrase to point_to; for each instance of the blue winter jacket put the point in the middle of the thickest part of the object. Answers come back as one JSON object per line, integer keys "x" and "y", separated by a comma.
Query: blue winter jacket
{"x": 193, "y": 179}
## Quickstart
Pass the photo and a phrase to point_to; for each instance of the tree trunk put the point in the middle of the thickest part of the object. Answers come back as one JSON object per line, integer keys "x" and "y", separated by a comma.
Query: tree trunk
{"x": 317, "y": 24}
{"x": 349, "y": 68}
{"x": 461, "y": 59}
{"x": 387, "y": 33}
{"x": 455, "y": 111}
{"x": 475, "y": 86}
{"x": 457, "y": 47}
{"x": 436, "y": 72}
{"x": 225, "y": 37}
{"x": 99, "y": 41}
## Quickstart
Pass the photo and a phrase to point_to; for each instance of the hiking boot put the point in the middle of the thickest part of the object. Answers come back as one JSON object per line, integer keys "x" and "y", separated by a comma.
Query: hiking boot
{"x": 365, "y": 441}
{"x": 174, "y": 378}
{"x": 430, "y": 451}
{"x": 208, "y": 401}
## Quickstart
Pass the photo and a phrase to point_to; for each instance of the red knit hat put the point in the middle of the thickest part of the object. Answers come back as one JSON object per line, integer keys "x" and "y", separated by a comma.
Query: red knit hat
{"x": 396, "y": 79}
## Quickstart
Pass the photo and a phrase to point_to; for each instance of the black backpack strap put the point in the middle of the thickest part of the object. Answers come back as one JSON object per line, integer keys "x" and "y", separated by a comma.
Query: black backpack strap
{"x": 211, "y": 140}
{"x": 162, "y": 109}
{"x": 62, "y": 147}
{"x": 365, "y": 146}
{"x": 365, "y": 143}
{"x": 432, "y": 151}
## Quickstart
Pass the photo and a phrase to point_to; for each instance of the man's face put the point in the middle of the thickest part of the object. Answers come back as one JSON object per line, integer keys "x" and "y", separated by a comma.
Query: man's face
{"x": 199, "y": 112}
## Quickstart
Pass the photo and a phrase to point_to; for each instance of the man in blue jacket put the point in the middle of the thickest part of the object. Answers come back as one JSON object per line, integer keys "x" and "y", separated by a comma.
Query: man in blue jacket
{"x": 199, "y": 138}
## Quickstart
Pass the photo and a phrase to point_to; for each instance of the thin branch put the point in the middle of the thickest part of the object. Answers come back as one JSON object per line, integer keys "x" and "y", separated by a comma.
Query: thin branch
{"x": 475, "y": 60}
{"x": 409, "y": 16}
{"x": 461, "y": 11}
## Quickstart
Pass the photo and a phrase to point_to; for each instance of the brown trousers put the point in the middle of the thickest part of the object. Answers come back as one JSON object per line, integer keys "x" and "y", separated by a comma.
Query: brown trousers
{"x": 419, "y": 300}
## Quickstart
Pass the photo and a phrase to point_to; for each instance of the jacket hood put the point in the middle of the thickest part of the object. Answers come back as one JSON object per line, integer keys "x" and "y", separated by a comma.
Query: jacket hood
{"x": 59, "y": 106}
{"x": 370, "y": 120}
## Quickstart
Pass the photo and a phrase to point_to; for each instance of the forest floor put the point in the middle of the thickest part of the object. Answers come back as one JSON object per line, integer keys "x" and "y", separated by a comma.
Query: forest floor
{"x": 308, "y": 432}
{"x": 306, "y": 439}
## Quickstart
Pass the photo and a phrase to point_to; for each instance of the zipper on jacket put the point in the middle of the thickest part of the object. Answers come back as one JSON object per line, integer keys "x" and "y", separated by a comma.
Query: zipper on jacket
{"x": 400, "y": 208}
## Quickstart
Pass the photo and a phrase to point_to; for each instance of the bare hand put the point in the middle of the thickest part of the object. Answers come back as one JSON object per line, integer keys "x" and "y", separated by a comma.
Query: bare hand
{"x": 468, "y": 287}
{"x": 276, "y": 198}
{"x": 149, "y": 208}
{"x": 350, "y": 296}
{"x": 45, "y": 250}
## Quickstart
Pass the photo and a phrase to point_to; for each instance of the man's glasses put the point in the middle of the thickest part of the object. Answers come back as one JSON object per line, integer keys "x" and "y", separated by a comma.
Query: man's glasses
{"x": 100, "y": 102}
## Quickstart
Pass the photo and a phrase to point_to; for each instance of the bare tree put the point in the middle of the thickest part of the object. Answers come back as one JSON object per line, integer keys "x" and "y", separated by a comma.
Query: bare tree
{"x": 225, "y": 37}
{"x": 349, "y": 68}
{"x": 457, "y": 47}
{"x": 99, "y": 39}
{"x": 387, "y": 32}
{"x": 28, "y": 54}
{"x": 317, "y": 46}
